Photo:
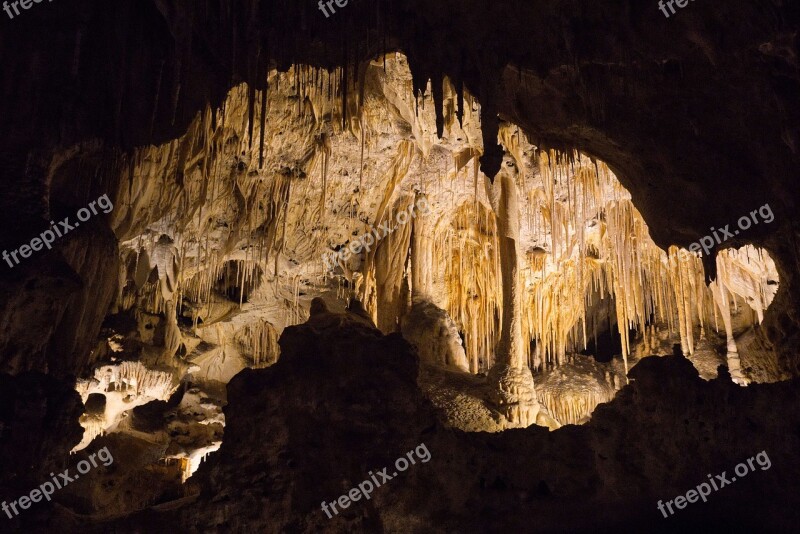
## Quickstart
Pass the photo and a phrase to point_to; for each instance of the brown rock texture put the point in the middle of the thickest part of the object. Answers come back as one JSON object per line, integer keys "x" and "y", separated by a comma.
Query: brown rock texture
{"x": 38, "y": 427}
{"x": 285, "y": 451}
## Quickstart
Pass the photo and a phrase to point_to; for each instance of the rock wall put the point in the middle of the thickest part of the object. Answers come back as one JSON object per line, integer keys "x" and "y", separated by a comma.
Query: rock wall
{"x": 660, "y": 437}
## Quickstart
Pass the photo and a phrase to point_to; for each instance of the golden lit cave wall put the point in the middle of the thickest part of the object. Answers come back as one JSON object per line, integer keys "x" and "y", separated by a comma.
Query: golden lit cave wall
{"x": 213, "y": 187}
{"x": 589, "y": 239}
{"x": 200, "y": 164}
{"x": 594, "y": 242}
{"x": 468, "y": 248}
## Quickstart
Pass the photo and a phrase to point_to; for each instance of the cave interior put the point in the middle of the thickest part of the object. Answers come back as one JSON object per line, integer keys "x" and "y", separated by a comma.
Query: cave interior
{"x": 553, "y": 245}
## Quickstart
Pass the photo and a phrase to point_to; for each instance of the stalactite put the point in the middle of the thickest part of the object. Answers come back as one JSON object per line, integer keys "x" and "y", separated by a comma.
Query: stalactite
{"x": 141, "y": 380}
{"x": 437, "y": 90}
{"x": 471, "y": 278}
{"x": 325, "y": 147}
{"x": 251, "y": 105}
{"x": 570, "y": 397}
{"x": 264, "y": 95}
{"x": 345, "y": 65}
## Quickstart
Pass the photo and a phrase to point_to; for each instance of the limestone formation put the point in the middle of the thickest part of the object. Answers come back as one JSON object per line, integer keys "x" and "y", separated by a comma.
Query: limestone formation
{"x": 262, "y": 318}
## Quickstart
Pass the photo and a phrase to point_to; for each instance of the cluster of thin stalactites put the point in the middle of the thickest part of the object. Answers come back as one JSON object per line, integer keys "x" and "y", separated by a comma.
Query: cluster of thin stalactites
{"x": 584, "y": 239}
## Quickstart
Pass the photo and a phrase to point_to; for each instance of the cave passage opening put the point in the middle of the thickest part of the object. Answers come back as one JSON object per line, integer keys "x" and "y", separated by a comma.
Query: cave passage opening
{"x": 217, "y": 264}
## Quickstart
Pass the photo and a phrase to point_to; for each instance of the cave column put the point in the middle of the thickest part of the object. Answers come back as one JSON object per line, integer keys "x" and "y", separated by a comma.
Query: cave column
{"x": 514, "y": 392}
{"x": 421, "y": 252}
{"x": 721, "y": 298}
{"x": 509, "y": 348}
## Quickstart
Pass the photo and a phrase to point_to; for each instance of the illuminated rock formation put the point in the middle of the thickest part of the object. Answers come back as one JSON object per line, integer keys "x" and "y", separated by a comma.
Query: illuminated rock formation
{"x": 123, "y": 386}
{"x": 515, "y": 390}
{"x": 223, "y": 233}
{"x": 435, "y": 336}
{"x": 572, "y": 391}
{"x": 244, "y": 141}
